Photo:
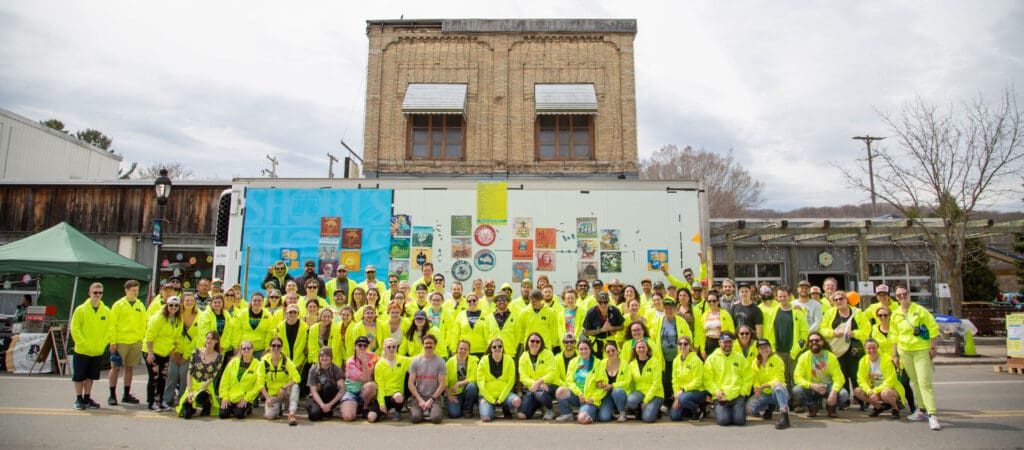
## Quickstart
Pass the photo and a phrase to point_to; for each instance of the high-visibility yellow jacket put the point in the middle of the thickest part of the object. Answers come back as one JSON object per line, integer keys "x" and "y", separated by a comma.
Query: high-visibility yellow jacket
{"x": 414, "y": 347}
{"x": 244, "y": 331}
{"x": 90, "y": 328}
{"x": 300, "y": 356}
{"x": 208, "y": 322}
{"x": 390, "y": 378}
{"x": 863, "y": 325}
{"x": 155, "y": 305}
{"x": 884, "y": 340}
{"x": 163, "y": 334}
{"x": 334, "y": 341}
{"x": 128, "y": 321}
{"x": 729, "y": 374}
{"x": 904, "y": 324}
{"x": 384, "y": 328}
{"x": 543, "y": 321}
{"x": 699, "y": 336}
{"x": 510, "y": 335}
{"x": 356, "y": 330}
{"x": 544, "y": 369}
{"x": 872, "y": 310}
{"x": 687, "y": 374}
{"x": 887, "y": 380}
{"x": 189, "y": 339}
{"x": 476, "y": 335}
{"x": 648, "y": 379}
{"x": 238, "y": 383}
{"x": 495, "y": 390}
{"x": 773, "y": 370}
{"x": 332, "y": 285}
{"x": 801, "y": 330}
{"x": 276, "y": 376}
{"x": 452, "y": 377}
{"x": 803, "y": 376}
{"x": 589, "y": 390}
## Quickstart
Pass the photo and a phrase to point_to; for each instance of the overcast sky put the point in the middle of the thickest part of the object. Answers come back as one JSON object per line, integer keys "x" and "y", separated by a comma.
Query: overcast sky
{"x": 218, "y": 85}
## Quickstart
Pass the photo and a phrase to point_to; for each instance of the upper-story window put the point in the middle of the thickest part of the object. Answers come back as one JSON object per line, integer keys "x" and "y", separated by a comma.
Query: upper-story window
{"x": 436, "y": 124}
{"x": 564, "y": 129}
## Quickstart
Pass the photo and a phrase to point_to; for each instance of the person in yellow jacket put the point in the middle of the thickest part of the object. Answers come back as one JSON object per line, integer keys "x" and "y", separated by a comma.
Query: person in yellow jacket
{"x": 818, "y": 376}
{"x": 572, "y": 316}
{"x": 619, "y": 379}
{"x": 325, "y": 333}
{"x": 280, "y": 382}
{"x": 241, "y": 383}
{"x": 538, "y": 376}
{"x": 646, "y": 394}
{"x": 163, "y": 334}
{"x": 294, "y": 335}
{"x": 215, "y": 318}
{"x": 157, "y": 304}
{"x": 204, "y": 365}
{"x": 274, "y": 305}
{"x": 495, "y": 377}
{"x": 367, "y": 327}
{"x": 878, "y": 384}
{"x": 786, "y": 328}
{"x": 389, "y": 374}
{"x": 770, "y": 390}
{"x": 254, "y": 325}
{"x": 538, "y": 318}
{"x": 915, "y": 347}
{"x": 342, "y": 281}
{"x": 90, "y": 329}
{"x": 884, "y": 333}
{"x": 128, "y": 320}
{"x": 471, "y": 325}
{"x": 503, "y": 323}
{"x": 583, "y": 378}
{"x": 688, "y": 282}
{"x": 460, "y": 379}
{"x": 846, "y": 328}
{"x": 631, "y": 314}
{"x": 177, "y": 365}
{"x": 728, "y": 379}
{"x": 412, "y": 344}
{"x": 667, "y": 329}
{"x": 710, "y": 324}
{"x": 688, "y": 394}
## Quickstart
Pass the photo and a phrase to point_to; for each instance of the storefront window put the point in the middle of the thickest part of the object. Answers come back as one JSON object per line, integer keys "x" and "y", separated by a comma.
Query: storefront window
{"x": 188, "y": 264}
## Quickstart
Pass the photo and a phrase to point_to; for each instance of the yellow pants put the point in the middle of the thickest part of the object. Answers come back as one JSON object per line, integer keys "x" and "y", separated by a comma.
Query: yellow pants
{"x": 918, "y": 365}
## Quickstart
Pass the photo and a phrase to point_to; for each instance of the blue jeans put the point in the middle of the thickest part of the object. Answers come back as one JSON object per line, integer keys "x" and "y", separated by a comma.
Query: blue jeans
{"x": 466, "y": 400}
{"x": 731, "y": 413}
{"x": 810, "y": 398}
{"x": 540, "y": 399}
{"x": 615, "y": 401}
{"x": 590, "y": 410}
{"x": 690, "y": 404}
{"x": 651, "y": 409}
{"x": 565, "y": 405}
{"x": 487, "y": 409}
{"x": 779, "y": 398}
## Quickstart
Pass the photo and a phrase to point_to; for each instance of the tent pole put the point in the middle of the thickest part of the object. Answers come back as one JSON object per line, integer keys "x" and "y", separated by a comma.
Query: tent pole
{"x": 74, "y": 295}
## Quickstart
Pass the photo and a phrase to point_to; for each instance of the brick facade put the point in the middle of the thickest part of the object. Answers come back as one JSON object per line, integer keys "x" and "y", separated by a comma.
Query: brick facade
{"x": 501, "y": 61}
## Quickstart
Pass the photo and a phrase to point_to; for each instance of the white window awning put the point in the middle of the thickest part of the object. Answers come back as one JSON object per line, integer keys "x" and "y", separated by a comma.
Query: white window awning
{"x": 430, "y": 98}
{"x": 565, "y": 99}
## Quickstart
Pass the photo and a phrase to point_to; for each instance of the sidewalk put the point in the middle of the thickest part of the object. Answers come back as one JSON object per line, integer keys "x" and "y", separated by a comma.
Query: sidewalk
{"x": 991, "y": 351}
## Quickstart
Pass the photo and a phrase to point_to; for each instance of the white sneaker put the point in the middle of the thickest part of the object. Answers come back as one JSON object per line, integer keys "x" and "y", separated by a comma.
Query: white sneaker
{"x": 568, "y": 417}
{"x": 917, "y": 416}
{"x": 549, "y": 414}
{"x": 933, "y": 422}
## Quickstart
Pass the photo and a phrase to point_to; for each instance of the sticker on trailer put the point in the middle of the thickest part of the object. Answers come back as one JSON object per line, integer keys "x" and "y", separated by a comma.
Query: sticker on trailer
{"x": 462, "y": 270}
{"x": 484, "y": 260}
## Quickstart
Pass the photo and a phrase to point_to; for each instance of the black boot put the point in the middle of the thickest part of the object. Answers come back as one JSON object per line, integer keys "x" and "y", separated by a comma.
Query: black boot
{"x": 768, "y": 412}
{"x": 783, "y": 421}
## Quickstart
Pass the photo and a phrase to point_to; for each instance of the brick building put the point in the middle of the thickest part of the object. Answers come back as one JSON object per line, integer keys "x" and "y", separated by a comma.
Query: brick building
{"x": 499, "y": 98}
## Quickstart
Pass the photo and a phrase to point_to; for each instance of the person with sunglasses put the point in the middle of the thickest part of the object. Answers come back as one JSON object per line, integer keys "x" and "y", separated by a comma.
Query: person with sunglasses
{"x": 372, "y": 283}
{"x": 90, "y": 331}
{"x": 162, "y": 335}
{"x": 728, "y": 378}
{"x": 537, "y": 374}
{"x": 770, "y": 390}
{"x": 786, "y": 328}
{"x": 846, "y": 328}
{"x": 360, "y": 389}
{"x": 503, "y": 323}
{"x": 274, "y": 306}
{"x": 537, "y": 317}
{"x": 389, "y": 374}
{"x": 878, "y": 384}
{"x": 340, "y": 282}
{"x": 745, "y": 342}
{"x": 280, "y": 382}
{"x": 204, "y": 365}
{"x": 254, "y": 325}
{"x": 177, "y": 366}
{"x": 917, "y": 335}
{"x": 427, "y": 374}
{"x": 326, "y": 383}
{"x": 647, "y": 394}
{"x": 669, "y": 327}
{"x": 367, "y": 327}
{"x": 617, "y": 380}
{"x": 471, "y": 326}
{"x": 325, "y": 333}
{"x": 882, "y": 301}
{"x": 294, "y": 335}
{"x": 710, "y": 324}
{"x": 882, "y": 332}
{"x": 277, "y": 276}
{"x": 241, "y": 383}
{"x": 496, "y": 375}
{"x": 460, "y": 378}
{"x": 583, "y": 378}
{"x": 412, "y": 344}
{"x": 689, "y": 396}
{"x": 818, "y": 376}
{"x": 603, "y": 322}
{"x": 313, "y": 288}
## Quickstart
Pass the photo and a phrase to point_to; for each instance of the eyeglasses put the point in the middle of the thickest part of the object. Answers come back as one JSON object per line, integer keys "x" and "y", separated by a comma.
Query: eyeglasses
{"x": 471, "y": 300}
{"x": 534, "y": 341}
{"x": 97, "y": 292}
{"x": 275, "y": 345}
{"x": 172, "y": 305}
{"x": 420, "y": 318}
{"x": 370, "y": 271}
{"x": 438, "y": 280}
{"x": 275, "y": 296}
{"x": 293, "y": 312}
{"x": 311, "y": 286}
{"x": 360, "y": 345}
{"x": 603, "y": 303}
{"x": 744, "y": 333}
{"x": 245, "y": 349}
{"x": 497, "y": 346}
{"x": 569, "y": 342}
{"x": 814, "y": 341}
{"x": 684, "y": 344}
{"x": 882, "y": 315}
{"x": 390, "y": 347}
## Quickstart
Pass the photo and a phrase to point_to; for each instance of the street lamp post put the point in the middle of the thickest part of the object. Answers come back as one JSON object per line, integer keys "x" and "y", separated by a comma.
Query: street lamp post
{"x": 162, "y": 185}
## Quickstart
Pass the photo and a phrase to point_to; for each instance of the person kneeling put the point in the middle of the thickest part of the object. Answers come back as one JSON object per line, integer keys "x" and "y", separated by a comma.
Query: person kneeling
{"x": 727, "y": 376}
{"x": 769, "y": 386}
{"x": 326, "y": 386}
{"x": 877, "y": 383}
{"x": 281, "y": 383}
{"x": 240, "y": 384}
{"x": 818, "y": 376}
{"x": 426, "y": 375}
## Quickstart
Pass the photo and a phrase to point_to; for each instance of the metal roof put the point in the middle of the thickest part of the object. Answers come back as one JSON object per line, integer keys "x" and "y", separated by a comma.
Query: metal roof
{"x": 565, "y": 99}
{"x": 429, "y": 98}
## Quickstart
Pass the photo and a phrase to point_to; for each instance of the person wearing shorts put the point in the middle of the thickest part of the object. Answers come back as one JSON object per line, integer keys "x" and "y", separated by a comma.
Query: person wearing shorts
{"x": 128, "y": 321}
{"x": 89, "y": 325}
{"x": 360, "y": 389}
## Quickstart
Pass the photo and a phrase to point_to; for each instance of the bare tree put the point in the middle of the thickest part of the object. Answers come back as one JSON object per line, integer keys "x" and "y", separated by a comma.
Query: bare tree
{"x": 730, "y": 188}
{"x": 947, "y": 161}
{"x": 175, "y": 171}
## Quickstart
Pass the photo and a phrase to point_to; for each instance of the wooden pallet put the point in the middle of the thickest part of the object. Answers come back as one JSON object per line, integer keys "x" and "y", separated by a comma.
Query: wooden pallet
{"x": 1016, "y": 370}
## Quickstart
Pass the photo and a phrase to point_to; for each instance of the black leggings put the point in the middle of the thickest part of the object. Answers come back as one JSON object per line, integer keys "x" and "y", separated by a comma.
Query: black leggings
{"x": 203, "y": 400}
{"x": 233, "y": 410}
{"x": 313, "y": 410}
{"x": 157, "y": 378}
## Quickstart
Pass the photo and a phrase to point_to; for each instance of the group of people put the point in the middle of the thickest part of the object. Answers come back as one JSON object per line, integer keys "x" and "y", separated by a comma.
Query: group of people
{"x": 590, "y": 353}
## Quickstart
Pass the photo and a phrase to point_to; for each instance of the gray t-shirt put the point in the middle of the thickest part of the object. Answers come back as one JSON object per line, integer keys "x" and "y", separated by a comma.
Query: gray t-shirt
{"x": 429, "y": 373}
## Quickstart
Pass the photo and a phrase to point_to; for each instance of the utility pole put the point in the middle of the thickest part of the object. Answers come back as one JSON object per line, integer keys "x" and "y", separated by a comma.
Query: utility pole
{"x": 272, "y": 173}
{"x": 868, "y": 139}
{"x": 330, "y": 165}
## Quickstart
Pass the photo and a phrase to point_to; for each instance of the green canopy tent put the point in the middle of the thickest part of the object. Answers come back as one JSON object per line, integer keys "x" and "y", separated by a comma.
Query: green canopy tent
{"x": 62, "y": 250}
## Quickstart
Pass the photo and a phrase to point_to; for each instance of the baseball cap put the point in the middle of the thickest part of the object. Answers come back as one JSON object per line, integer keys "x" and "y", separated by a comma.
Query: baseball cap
{"x": 815, "y": 290}
{"x": 359, "y": 340}
{"x": 419, "y": 315}
{"x": 726, "y": 336}
{"x": 761, "y": 342}
{"x": 598, "y": 283}
{"x": 882, "y": 289}
{"x": 803, "y": 283}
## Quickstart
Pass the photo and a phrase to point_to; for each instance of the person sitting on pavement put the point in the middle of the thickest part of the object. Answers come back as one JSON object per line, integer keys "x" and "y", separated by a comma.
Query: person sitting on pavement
{"x": 360, "y": 388}
{"x": 769, "y": 386}
{"x": 326, "y": 386}
{"x": 280, "y": 383}
{"x": 581, "y": 389}
{"x": 689, "y": 396}
{"x": 728, "y": 378}
{"x": 389, "y": 374}
{"x": 619, "y": 378}
{"x": 537, "y": 374}
{"x": 461, "y": 381}
{"x": 240, "y": 384}
{"x": 818, "y": 377}
{"x": 203, "y": 366}
{"x": 496, "y": 375}
{"x": 427, "y": 375}
{"x": 647, "y": 391}
{"x": 878, "y": 384}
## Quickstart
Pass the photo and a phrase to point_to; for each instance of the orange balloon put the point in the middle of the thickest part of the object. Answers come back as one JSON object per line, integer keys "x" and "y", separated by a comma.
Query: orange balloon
{"x": 852, "y": 298}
